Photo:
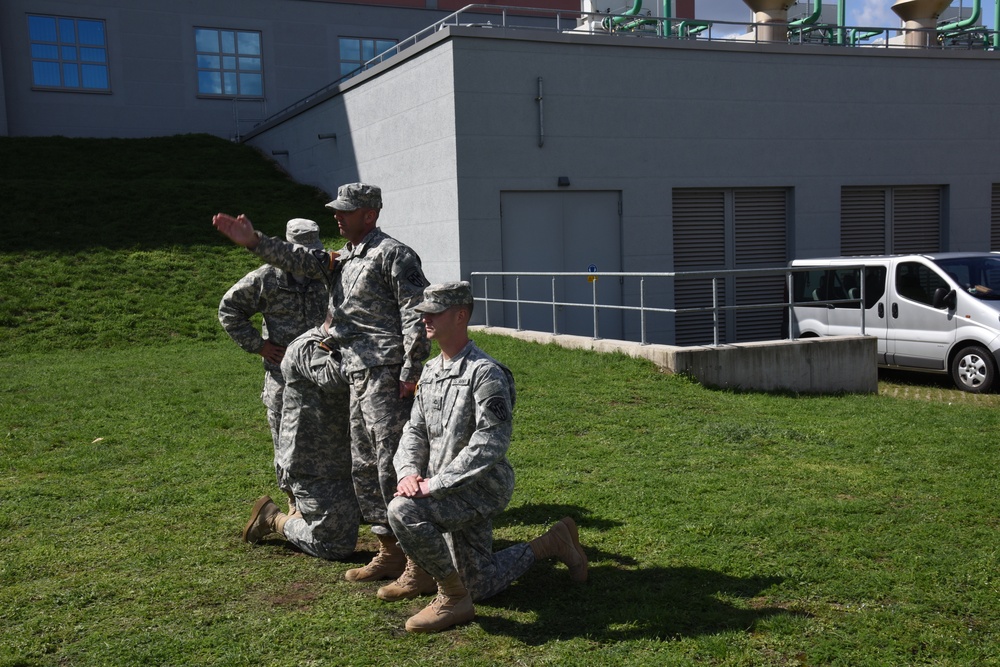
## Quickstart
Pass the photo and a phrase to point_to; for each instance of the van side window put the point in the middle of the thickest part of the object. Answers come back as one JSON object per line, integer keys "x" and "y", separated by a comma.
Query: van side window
{"x": 917, "y": 282}
{"x": 874, "y": 284}
{"x": 809, "y": 285}
{"x": 838, "y": 285}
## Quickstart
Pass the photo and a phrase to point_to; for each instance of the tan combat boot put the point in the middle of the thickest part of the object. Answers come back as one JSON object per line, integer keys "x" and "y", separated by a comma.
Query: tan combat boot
{"x": 265, "y": 518}
{"x": 388, "y": 563}
{"x": 562, "y": 541}
{"x": 453, "y": 605}
{"x": 291, "y": 506}
{"x": 413, "y": 582}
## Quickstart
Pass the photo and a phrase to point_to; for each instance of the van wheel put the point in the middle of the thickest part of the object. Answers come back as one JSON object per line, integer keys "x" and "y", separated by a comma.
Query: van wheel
{"x": 972, "y": 369}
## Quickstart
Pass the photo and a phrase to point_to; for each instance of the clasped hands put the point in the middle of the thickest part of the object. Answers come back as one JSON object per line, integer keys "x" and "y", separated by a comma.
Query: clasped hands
{"x": 413, "y": 486}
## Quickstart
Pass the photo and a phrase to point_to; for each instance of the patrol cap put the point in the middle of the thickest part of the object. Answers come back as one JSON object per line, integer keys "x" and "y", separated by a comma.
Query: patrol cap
{"x": 304, "y": 232}
{"x": 357, "y": 195}
{"x": 442, "y": 296}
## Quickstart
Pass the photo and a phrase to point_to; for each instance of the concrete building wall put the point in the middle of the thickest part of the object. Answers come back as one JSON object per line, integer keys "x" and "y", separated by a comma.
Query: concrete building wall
{"x": 647, "y": 116}
{"x": 151, "y": 55}
{"x": 394, "y": 127}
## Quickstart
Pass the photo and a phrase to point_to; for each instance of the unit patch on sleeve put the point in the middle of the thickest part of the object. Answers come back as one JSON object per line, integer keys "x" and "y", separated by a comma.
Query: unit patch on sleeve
{"x": 498, "y": 407}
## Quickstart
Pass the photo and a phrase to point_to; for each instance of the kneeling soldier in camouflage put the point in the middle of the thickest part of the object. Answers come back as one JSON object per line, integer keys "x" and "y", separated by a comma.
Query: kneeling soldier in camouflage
{"x": 454, "y": 477}
{"x": 312, "y": 456}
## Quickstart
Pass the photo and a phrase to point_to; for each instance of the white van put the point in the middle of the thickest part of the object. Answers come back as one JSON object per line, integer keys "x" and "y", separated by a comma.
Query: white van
{"x": 938, "y": 313}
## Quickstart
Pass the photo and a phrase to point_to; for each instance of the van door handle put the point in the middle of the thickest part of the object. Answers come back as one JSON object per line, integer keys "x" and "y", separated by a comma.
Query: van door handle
{"x": 895, "y": 311}
{"x": 881, "y": 311}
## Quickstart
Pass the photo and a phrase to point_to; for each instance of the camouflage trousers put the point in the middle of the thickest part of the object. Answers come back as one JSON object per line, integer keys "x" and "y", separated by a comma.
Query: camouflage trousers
{"x": 456, "y": 533}
{"x": 328, "y": 527}
{"x": 274, "y": 421}
{"x": 378, "y": 415}
{"x": 312, "y": 460}
{"x": 271, "y": 397}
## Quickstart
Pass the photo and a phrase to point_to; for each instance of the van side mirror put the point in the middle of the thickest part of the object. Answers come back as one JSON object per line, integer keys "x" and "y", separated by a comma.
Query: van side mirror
{"x": 944, "y": 297}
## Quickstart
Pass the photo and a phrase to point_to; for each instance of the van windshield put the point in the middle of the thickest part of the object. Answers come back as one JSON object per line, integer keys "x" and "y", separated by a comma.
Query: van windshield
{"x": 979, "y": 276}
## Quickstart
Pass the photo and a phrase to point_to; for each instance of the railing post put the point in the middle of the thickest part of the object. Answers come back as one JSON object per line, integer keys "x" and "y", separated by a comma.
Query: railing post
{"x": 862, "y": 288}
{"x": 715, "y": 310}
{"x": 517, "y": 300}
{"x": 642, "y": 310}
{"x": 555, "y": 328}
{"x": 486, "y": 298}
{"x": 593, "y": 301}
{"x": 788, "y": 305}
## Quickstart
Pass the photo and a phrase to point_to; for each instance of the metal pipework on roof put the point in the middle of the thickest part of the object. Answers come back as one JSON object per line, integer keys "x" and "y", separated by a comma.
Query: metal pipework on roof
{"x": 965, "y": 23}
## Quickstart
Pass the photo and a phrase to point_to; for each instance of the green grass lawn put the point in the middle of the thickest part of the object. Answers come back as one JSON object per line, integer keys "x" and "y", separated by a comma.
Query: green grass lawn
{"x": 723, "y": 528}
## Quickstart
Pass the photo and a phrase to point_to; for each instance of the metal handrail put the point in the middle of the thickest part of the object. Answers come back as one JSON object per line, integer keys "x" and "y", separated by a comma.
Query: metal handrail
{"x": 643, "y": 309}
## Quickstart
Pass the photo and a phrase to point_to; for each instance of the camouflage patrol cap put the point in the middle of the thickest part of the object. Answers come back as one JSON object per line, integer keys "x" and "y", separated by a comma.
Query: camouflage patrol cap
{"x": 357, "y": 195}
{"x": 304, "y": 232}
{"x": 439, "y": 298}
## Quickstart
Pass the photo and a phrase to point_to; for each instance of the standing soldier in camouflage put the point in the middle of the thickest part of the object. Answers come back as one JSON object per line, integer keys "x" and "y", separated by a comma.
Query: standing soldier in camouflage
{"x": 313, "y": 456}
{"x": 454, "y": 477}
{"x": 375, "y": 282}
{"x": 290, "y": 304}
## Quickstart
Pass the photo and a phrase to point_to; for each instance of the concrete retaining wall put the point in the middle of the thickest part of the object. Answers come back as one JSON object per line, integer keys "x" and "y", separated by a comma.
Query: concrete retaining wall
{"x": 808, "y": 366}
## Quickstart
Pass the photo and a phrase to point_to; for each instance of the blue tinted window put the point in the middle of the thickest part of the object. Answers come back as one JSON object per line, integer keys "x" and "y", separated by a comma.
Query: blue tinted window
{"x": 45, "y": 74}
{"x": 91, "y": 32}
{"x": 45, "y": 51}
{"x": 68, "y": 53}
{"x": 91, "y": 55}
{"x": 206, "y": 40}
{"x": 42, "y": 28}
{"x": 228, "y": 62}
{"x": 71, "y": 75}
{"x": 251, "y": 84}
{"x": 355, "y": 52}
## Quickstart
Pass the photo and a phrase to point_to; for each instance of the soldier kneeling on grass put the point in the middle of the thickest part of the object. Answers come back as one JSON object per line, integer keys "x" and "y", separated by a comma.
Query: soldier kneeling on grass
{"x": 312, "y": 456}
{"x": 454, "y": 477}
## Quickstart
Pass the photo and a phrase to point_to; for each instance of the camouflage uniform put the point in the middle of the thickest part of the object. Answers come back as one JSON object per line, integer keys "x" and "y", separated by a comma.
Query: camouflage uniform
{"x": 290, "y": 305}
{"x": 313, "y": 455}
{"x": 374, "y": 286}
{"x": 457, "y": 438}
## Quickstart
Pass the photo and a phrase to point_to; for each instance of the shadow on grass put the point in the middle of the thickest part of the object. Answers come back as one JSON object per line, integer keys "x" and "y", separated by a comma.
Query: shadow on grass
{"x": 616, "y": 604}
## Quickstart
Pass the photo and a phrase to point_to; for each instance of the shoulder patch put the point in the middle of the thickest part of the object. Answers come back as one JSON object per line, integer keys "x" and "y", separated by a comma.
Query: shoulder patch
{"x": 498, "y": 407}
{"x": 415, "y": 277}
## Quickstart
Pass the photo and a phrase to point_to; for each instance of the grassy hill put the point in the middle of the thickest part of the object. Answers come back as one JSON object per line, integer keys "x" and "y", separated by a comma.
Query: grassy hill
{"x": 109, "y": 242}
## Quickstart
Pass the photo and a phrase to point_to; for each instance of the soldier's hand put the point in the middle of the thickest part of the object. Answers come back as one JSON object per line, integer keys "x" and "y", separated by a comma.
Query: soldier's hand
{"x": 410, "y": 487}
{"x": 407, "y": 389}
{"x": 273, "y": 353}
{"x": 239, "y": 230}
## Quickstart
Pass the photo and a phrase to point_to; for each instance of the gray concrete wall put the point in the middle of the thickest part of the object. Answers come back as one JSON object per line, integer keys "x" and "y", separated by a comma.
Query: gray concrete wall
{"x": 842, "y": 364}
{"x": 395, "y": 127}
{"x": 152, "y": 61}
{"x": 644, "y": 116}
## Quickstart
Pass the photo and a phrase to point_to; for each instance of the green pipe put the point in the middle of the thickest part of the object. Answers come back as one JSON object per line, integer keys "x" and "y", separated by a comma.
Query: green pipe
{"x": 841, "y": 20}
{"x": 625, "y": 16}
{"x": 668, "y": 13}
{"x": 812, "y": 18}
{"x": 691, "y": 27}
{"x": 996, "y": 25}
{"x": 965, "y": 23}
